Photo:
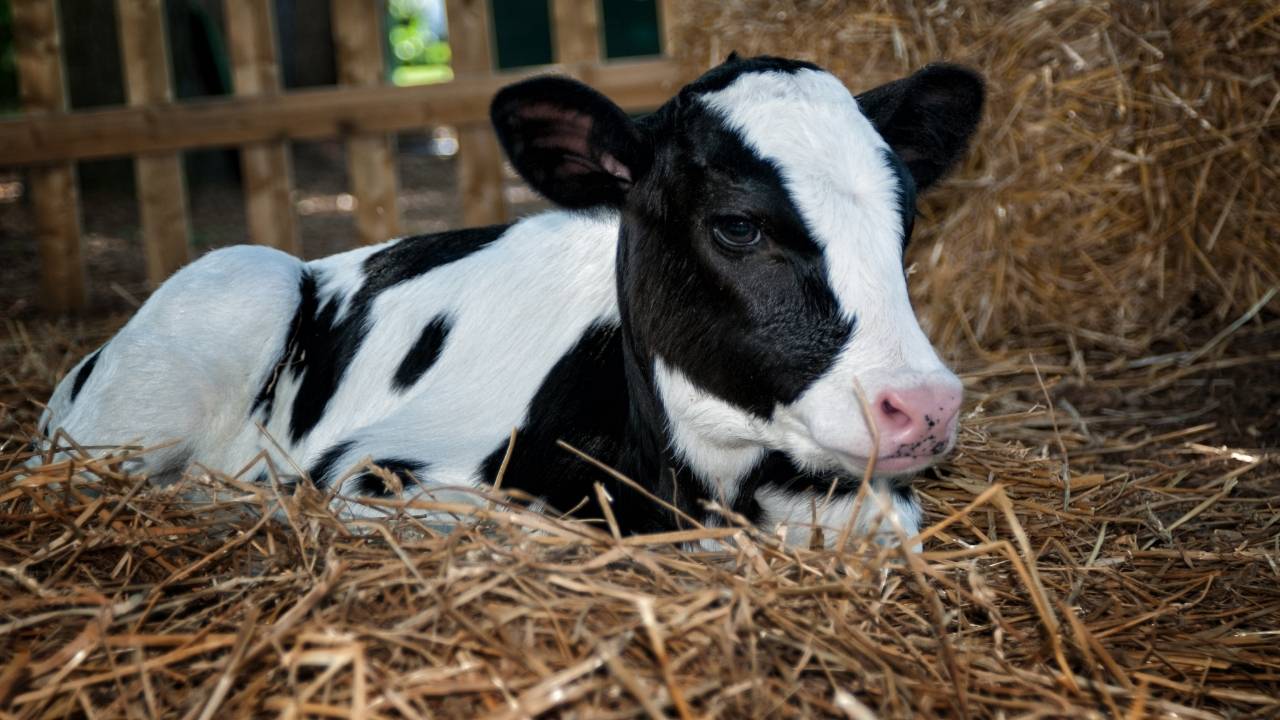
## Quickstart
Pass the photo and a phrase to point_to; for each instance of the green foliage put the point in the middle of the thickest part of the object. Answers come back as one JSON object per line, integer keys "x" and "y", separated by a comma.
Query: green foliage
{"x": 419, "y": 55}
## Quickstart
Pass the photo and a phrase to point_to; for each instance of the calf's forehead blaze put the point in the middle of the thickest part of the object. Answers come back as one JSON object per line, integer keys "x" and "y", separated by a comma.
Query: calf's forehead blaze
{"x": 850, "y": 188}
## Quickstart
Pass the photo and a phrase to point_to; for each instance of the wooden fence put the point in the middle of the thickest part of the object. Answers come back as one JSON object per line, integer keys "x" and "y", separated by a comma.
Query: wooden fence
{"x": 261, "y": 119}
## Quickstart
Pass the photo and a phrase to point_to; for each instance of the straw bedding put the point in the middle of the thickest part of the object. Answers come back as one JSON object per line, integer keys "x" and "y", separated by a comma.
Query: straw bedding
{"x": 1105, "y": 541}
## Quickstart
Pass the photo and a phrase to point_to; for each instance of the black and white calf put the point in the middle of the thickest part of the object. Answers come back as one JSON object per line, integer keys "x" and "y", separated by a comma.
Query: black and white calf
{"x": 696, "y": 314}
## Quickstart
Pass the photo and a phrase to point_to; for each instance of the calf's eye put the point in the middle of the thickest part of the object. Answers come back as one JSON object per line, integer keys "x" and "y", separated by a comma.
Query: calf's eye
{"x": 735, "y": 232}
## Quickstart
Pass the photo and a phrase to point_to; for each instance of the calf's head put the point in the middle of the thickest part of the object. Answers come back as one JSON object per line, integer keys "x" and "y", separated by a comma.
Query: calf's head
{"x": 764, "y": 214}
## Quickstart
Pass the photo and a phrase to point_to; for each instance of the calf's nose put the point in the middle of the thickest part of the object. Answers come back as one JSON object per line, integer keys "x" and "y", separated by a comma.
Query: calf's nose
{"x": 916, "y": 421}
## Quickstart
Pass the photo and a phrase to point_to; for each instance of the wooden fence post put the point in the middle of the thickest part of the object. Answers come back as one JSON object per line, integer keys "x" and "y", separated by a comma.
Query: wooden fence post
{"x": 162, "y": 196}
{"x": 357, "y": 36}
{"x": 666, "y": 27}
{"x": 576, "y": 29}
{"x": 479, "y": 157}
{"x": 268, "y": 174}
{"x": 53, "y": 187}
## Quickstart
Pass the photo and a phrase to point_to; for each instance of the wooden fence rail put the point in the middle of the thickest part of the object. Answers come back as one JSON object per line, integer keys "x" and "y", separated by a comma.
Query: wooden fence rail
{"x": 261, "y": 119}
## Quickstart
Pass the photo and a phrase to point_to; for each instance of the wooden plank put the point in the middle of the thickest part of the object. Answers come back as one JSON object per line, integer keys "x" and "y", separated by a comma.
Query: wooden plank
{"x": 265, "y": 166}
{"x": 57, "y": 214}
{"x": 470, "y": 40}
{"x": 666, "y": 27}
{"x": 53, "y": 186}
{"x": 480, "y": 176}
{"x": 479, "y": 163}
{"x": 162, "y": 196}
{"x": 35, "y": 138}
{"x": 371, "y": 172}
{"x": 576, "y": 28}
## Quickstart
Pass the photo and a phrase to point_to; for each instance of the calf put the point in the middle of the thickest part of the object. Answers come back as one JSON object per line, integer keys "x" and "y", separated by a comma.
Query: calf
{"x": 719, "y": 279}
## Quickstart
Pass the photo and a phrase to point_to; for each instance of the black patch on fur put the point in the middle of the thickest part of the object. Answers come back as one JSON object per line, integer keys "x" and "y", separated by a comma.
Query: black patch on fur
{"x": 408, "y": 471}
{"x": 322, "y": 345}
{"x": 424, "y": 353}
{"x": 85, "y": 371}
{"x": 264, "y": 402}
{"x": 906, "y": 194}
{"x": 418, "y": 255}
{"x": 583, "y": 400}
{"x": 754, "y": 328}
{"x": 904, "y": 490}
{"x": 778, "y": 473}
{"x": 323, "y": 468}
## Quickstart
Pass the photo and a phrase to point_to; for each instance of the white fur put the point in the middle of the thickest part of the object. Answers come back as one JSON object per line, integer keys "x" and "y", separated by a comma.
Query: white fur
{"x": 516, "y": 307}
{"x": 879, "y": 512}
{"x": 194, "y": 350}
{"x": 717, "y": 439}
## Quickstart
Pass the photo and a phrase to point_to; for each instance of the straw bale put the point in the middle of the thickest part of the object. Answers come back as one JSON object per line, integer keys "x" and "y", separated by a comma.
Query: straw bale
{"x": 1123, "y": 182}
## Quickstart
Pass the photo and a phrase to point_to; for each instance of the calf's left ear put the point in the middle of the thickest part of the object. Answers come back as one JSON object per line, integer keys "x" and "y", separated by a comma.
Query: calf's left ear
{"x": 569, "y": 142}
{"x": 927, "y": 118}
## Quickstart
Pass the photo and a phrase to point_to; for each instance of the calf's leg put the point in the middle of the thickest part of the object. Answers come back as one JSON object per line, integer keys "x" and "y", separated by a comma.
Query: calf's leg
{"x": 181, "y": 374}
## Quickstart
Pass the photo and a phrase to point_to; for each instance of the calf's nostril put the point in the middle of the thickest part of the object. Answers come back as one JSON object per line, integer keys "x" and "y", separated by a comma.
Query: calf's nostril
{"x": 895, "y": 414}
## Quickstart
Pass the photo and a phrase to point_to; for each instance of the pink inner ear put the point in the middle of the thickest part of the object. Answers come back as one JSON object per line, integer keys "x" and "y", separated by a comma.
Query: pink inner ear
{"x": 567, "y": 122}
{"x": 569, "y": 142}
{"x": 570, "y": 135}
{"x": 577, "y": 165}
{"x": 615, "y": 168}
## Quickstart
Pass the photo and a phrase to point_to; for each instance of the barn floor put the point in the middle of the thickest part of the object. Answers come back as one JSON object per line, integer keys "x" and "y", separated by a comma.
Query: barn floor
{"x": 1115, "y": 551}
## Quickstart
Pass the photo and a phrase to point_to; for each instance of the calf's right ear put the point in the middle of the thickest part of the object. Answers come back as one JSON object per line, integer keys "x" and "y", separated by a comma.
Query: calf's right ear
{"x": 569, "y": 142}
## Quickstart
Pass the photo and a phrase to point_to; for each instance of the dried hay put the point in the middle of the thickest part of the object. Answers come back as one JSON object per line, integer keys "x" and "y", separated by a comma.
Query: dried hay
{"x": 1105, "y": 542}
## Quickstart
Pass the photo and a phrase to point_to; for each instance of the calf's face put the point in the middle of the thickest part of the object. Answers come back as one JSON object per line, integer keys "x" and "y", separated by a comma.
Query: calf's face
{"x": 765, "y": 211}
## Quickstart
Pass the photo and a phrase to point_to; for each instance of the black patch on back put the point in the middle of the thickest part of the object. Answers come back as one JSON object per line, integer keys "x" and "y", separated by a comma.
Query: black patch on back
{"x": 85, "y": 371}
{"x": 321, "y": 345}
{"x": 418, "y": 255}
{"x": 424, "y": 353}
{"x": 408, "y": 471}
{"x": 322, "y": 469}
